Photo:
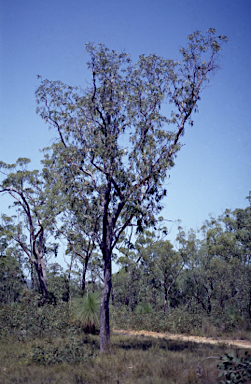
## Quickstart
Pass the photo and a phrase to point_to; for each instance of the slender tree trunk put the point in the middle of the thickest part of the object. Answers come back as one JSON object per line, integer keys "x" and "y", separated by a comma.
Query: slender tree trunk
{"x": 32, "y": 267}
{"x": 66, "y": 294}
{"x": 41, "y": 268}
{"x": 165, "y": 303}
{"x": 32, "y": 277}
{"x": 113, "y": 298}
{"x": 107, "y": 238}
{"x": 85, "y": 263}
{"x": 42, "y": 278}
{"x": 165, "y": 294}
{"x": 104, "y": 305}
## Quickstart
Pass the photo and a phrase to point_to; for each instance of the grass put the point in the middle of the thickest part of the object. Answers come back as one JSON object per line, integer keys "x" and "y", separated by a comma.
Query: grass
{"x": 134, "y": 360}
{"x": 85, "y": 310}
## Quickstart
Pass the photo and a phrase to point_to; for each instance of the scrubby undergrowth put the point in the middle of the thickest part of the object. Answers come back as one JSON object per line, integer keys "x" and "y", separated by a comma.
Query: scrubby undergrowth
{"x": 48, "y": 344}
{"x": 134, "y": 360}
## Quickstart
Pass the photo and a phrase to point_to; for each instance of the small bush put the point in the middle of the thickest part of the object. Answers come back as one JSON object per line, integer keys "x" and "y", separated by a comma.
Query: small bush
{"x": 143, "y": 308}
{"x": 85, "y": 311}
{"x": 73, "y": 351}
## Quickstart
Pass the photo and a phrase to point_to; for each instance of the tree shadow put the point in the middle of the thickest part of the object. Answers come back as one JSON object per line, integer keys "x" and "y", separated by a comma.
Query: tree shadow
{"x": 143, "y": 343}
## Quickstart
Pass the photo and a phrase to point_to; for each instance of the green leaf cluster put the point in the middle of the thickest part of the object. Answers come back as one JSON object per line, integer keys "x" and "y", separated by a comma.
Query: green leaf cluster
{"x": 236, "y": 370}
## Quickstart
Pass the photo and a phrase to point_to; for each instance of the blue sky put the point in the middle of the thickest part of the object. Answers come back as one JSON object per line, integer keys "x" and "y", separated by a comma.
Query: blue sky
{"x": 48, "y": 38}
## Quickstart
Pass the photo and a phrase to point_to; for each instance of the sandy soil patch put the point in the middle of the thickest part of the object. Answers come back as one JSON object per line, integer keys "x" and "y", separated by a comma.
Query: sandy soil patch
{"x": 197, "y": 339}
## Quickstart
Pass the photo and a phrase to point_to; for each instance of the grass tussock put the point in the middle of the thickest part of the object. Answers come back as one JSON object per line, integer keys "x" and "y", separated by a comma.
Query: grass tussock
{"x": 85, "y": 311}
{"x": 133, "y": 360}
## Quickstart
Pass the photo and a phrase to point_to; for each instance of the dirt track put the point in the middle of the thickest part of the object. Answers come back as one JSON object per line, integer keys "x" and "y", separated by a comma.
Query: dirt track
{"x": 197, "y": 339}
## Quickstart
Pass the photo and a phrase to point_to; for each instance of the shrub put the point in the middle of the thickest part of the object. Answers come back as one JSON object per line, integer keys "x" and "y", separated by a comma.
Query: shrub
{"x": 25, "y": 320}
{"x": 86, "y": 311}
{"x": 143, "y": 308}
{"x": 234, "y": 369}
{"x": 73, "y": 351}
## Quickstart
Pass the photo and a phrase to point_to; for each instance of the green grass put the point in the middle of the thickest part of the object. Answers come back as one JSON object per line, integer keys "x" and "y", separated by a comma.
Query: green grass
{"x": 85, "y": 310}
{"x": 134, "y": 360}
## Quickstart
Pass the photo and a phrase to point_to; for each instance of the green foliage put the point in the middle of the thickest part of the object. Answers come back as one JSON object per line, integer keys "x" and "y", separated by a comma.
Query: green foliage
{"x": 207, "y": 280}
{"x": 179, "y": 320}
{"x": 116, "y": 146}
{"x": 86, "y": 311}
{"x": 34, "y": 203}
{"x": 58, "y": 285}
{"x": 26, "y": 320}
{"x": 12, "y": 280}
{"x": 134, "y": 359}
{"x": 143, "y": 308}
{"x": 73, "y": 351}
{"x": 236, "y": 370}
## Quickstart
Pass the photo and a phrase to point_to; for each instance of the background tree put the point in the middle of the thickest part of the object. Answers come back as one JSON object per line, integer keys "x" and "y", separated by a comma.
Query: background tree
{"x": 115, "y": 141}
{"x": 12, "y": 279}
{"x": 34, "y": 206}
{"x": 58, "y": 284}
{"x": 169, "y": 263}
{"x": 217, "y": 275}
{"x": 131, "y": 274}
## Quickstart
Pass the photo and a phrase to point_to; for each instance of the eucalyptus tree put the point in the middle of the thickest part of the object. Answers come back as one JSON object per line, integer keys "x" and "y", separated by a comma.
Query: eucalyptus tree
{"x": 237, "y": 226}
{"x": 117, "y": 144}
{"x": 228, "y": 248}
{"x": 12, "y": 279}
{"x": 34, "y": 206}
{"x": 228, "y": 236}
{"x": 139, "y": 265}
{"x": 166, "y": 266}
{"x": 129, "y": 279}
{"x": 217, "y": 276}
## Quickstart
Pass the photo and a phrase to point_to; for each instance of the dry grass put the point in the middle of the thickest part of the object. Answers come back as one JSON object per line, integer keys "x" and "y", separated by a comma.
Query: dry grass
{"x": 133, "y": 360}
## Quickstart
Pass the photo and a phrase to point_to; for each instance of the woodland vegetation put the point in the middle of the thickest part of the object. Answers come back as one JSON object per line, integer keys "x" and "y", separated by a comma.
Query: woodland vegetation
{"x": 100, "y": 191}
{"x": 201, "y": 288}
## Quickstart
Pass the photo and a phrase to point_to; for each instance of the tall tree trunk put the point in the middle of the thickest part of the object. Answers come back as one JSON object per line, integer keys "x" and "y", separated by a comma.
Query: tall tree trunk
{"x": 85, "y": 263}
{"x": 32, "y": 276}
{"x": 41, "y": 268}
{"x": 165, "y": 294}
{"x": 104, "y": 305}
{"x": 42, "y": 278}
{"x": 107, "y": 238}
{"x": 113, "y": 298}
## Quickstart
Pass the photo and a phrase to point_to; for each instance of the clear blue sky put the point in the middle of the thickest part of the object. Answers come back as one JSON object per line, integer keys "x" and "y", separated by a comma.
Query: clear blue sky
{"x": 48, "y": 38}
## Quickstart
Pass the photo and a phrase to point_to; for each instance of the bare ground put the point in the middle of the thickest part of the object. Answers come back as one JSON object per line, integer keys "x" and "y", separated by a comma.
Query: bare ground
{"x": 197, "y": 339}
